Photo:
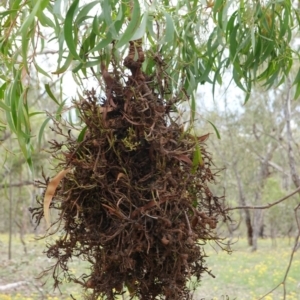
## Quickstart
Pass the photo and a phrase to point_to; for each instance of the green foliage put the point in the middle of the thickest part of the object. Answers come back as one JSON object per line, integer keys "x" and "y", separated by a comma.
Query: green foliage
{"x": 272, "y": 191}
{"x": 280, "y": 218}
{"x": 197, "y": 41}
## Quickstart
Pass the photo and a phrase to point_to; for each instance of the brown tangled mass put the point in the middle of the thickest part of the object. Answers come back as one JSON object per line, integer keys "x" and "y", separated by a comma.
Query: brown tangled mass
{"x": 134, "y": 205}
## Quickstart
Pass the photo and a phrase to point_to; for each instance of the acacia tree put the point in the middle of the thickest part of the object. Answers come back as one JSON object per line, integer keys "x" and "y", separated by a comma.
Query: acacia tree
{"x": 130, "y": 173}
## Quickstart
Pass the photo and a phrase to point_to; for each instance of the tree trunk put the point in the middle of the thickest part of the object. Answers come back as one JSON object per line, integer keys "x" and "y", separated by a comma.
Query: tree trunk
{"x": 291, "y": 157}
{"x": 242, "y": 202}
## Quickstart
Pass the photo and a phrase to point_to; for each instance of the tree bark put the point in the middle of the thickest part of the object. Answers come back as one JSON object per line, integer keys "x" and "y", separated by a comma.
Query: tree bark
{"x": 242, "y": 202}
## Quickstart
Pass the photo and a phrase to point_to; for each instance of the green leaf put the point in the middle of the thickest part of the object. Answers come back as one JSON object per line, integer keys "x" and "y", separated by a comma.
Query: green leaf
{"x": 41, "y": 131}
{"x": 59, "y": 110}
{"x": 197, "y": 158}
{"x": 103, "y": 43}
{"x": 81, "y": 134}
{"x": 83, "y": 13}
{"x": 65, "y": 65}
{"x": 25, "y": 44}
{"x": 132, "y": 26}
{"x": 4, "y": 106}
{"x": 297, "y": 83}
{"x": 40, "y": 70}
{"x": 297, "y": 91}
{"x": 8, "y": 12}
{"x": 119, "y": 21}
{"x": 142, "y": 28}
{"x": 45, "y": 21}
{"x": 50, "y": 94}
{"x": 30, "y": 18}
{"x": 169, "y": 33}
{"x": 70, "y": 30}
{"x": 215, "y": 128}
{"x": 193, "y": 108}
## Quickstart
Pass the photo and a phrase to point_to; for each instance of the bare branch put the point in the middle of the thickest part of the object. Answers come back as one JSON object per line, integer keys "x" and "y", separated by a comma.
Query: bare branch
{"x": 2, "y": 186}
{"x": 297, "y": 190}
{"x": 283, "y": 283}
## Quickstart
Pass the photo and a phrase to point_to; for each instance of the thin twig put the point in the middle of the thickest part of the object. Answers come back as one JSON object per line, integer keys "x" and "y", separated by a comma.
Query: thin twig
{"x": 265, "y": 206}
{"x": 19, "y": 184}
{"x": 292, "y": 254}
{"x": 268, "y": 293}
{"x": 283, "y": 282}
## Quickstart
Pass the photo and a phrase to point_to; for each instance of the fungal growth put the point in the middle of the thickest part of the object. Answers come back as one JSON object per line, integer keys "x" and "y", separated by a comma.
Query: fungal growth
{"x": 134, "y": 203}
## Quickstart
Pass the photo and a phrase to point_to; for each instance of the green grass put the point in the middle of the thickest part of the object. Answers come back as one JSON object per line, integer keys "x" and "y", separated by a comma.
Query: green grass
{"x": 250, "y": 275}
{"x": 240, "y": 275}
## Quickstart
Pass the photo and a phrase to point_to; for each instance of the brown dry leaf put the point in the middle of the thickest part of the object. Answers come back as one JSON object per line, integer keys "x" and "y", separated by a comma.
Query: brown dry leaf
{"x": 184, "y": 158}
{"x": 203, "y": 138}
{"x": 50, "y": 191}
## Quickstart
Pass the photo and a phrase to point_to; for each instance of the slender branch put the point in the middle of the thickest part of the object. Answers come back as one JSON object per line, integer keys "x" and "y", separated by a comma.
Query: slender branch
{"x": 297, "y": 190}
{"x": 2, "y": 186}
{"x": 293, "y": 252}
{"x": 283, "y": 282}
{"x": 268, "y": 293}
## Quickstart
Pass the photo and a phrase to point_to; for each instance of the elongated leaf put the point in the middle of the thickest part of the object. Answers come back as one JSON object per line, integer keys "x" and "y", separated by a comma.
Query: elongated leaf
{"x": 132, "y": 26}
{"x": 297, "y": 83}
{"x": 193, "y": 108}
{"x": 65, "y": 65}
{"x": 215, "y": 128}
{"x": 50, "y": 94}
{"x": 41, "y": 131}
{"x": 59, "y": 110}
{"x": 50, "y": 192}
{"x": 103, "y": 43}
{"x": 197, "y": 158}
{"x": 4, "y": 106}
{"x": 25, "y": 44}
{"x": 83, "y": 13}
{"x": 169, "y": 33}
{"x": 81, "y": 134}
{"x": 40, "y": 69}
{"x": 69, "y": 30}
{"x": 44, "y": 20}
{"x": 30, "y": 18}
{"x": 142, "y": 28}
{"x": 7, "y": 12}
